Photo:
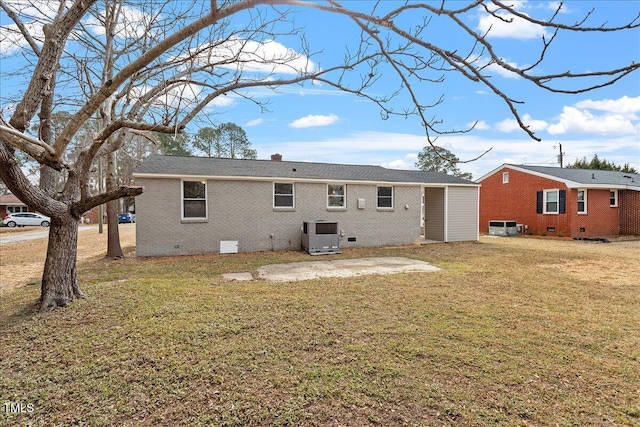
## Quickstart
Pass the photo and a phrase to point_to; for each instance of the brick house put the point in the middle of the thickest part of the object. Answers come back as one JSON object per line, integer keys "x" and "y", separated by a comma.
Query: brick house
{"x": 9, "y": 203}
{"x": 553, "y": 200}
{"x": 191, "y": 205}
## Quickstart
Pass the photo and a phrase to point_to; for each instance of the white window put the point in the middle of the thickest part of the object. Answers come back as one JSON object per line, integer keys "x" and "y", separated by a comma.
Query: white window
{"x": 582, "y": 201}
{"x": 385, "y": 197}
{"x": 336, "y": 196}
{"x": 505, "y": 177}
{"x": 551, "y": 201}
{"x": 194, "y": 199}
{"x": 613, "y": 198}
{"x": 283, "y": 195}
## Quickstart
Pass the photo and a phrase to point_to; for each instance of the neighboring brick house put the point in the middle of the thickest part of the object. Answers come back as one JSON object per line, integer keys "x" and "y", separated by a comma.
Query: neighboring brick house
{"x": 553, "y": 200}
{"x": 190, "y": 205}
{"x": 9, "y": 203}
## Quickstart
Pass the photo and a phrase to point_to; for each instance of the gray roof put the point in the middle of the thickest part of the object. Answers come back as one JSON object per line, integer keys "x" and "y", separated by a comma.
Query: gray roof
{"x": 587, "y": 177}
{"x": 209, "y": 167}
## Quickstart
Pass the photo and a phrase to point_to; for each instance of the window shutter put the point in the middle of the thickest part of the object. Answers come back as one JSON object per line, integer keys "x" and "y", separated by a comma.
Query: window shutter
{"x": 539, "y": 202}
{"x": 562, "y": 201}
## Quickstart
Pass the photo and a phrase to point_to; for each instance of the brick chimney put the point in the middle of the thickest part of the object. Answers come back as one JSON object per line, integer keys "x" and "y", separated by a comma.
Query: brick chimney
{"x": 276, "y": 157}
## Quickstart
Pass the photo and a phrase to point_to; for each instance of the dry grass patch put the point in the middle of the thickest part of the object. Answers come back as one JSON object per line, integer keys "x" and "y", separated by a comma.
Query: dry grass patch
{"x": 22, "y": 263}
{"x": 497, "y": 337}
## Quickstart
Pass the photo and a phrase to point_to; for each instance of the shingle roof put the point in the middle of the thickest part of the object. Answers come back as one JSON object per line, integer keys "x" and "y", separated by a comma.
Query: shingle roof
{"x": 203, "y": 166}
{"x": 10, "y": 199}
{"x": 587, "y": 176}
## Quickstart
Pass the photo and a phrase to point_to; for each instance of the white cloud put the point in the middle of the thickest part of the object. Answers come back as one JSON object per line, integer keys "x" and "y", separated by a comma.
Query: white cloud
{"x": 397, "y": 164}
{"x": 314, "y": 121}
{"x": 510, "y": 26}
{"x": 12, "y": 41}
{"x": 553, "y": 6}
{"x": 33, "y": 14}
{"x": 622, "y": 105}
{"x": 254, "y": 122}
{"x": 222, "y": 101}
{"x": 520, "y": 150}
{"x": 479, "y": 125}
{"x": 492, "y": 68}
{"x": 503, "y": 72}
{"x": 182, "y": 96}
{"x": 132, "y": 22}
{"x": 619, "y": 118}
{"x": 511, "y": 125}
{"x": 387, "y": 149}
{"x": 249, "y": 55}
{"x": 578, "y": 120}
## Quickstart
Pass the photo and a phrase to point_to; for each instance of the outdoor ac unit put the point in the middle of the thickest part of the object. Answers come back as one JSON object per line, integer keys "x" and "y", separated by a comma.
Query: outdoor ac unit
{"x": 320, "y": 237}
{"x": 503, "y": 228}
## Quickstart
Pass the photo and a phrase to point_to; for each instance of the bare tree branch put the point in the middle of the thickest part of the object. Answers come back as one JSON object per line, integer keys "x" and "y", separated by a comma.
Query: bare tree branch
{"x": 23, "y": 30}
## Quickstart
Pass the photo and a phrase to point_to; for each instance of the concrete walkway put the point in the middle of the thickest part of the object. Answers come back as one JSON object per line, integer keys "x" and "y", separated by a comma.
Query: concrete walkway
{"x": 338, "y": 268}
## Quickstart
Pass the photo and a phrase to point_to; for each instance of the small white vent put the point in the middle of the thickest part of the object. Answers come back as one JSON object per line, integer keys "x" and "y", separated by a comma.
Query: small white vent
{"x": 228, "y": 246}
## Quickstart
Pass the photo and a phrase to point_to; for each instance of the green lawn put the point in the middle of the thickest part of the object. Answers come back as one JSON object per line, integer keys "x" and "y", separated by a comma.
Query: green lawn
{"x": 510, "y": 332}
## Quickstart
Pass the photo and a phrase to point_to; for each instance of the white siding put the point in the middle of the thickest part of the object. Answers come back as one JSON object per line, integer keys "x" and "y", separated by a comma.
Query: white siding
{"x": 462, "y": 214}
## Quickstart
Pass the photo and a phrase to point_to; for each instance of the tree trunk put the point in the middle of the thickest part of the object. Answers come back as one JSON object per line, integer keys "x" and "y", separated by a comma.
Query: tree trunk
{"x": 114, "y": 249}
{"x": 60, "y": 279}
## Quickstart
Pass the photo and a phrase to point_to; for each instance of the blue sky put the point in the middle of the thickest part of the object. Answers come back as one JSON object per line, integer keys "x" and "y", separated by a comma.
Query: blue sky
{"x": 318, "y": 123}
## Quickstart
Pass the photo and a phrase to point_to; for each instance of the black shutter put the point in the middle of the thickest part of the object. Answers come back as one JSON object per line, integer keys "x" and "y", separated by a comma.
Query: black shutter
{"x": 562, "y": 201}
{"x": 539, "y": 202}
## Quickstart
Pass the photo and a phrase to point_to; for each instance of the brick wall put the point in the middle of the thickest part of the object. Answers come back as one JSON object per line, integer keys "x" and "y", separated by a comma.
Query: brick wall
{"x": 629, "y": 202}
{"x": 243, "y": 211}
{"x": 600, "y": 220}
{"x": 516, "y": 200}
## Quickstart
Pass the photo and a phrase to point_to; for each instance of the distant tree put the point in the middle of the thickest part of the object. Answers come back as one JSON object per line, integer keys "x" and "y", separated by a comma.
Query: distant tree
{"x": 225, "y": 141}
{"x": 604, "y": 164}
{"x": 173, "y": 145}
{"x": 207, "y": 141}
{"x": 439, "y": 159}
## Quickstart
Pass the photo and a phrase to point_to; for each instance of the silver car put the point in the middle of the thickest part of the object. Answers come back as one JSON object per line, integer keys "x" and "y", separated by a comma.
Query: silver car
{"x": 26, "y": 218}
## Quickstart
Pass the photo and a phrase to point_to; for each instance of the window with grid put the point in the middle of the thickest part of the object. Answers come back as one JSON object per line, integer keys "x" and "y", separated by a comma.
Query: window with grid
{"x": 283, "y": 195}
{"x": 336, "y": 196}
{"x": 385, "y": 197}
{"x": 194, "y": 199}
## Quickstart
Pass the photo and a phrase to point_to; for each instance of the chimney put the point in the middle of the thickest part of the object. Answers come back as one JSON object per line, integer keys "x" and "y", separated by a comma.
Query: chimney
{"x": 276, "y": 157}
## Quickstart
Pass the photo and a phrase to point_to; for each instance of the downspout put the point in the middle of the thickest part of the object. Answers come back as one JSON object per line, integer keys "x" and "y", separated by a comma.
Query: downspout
{"x": 446, "y": 214}
{"x": 478, "y": 215}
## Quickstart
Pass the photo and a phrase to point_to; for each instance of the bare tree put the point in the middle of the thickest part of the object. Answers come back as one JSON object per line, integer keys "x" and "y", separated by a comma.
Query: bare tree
{"x": 164, "y": 62}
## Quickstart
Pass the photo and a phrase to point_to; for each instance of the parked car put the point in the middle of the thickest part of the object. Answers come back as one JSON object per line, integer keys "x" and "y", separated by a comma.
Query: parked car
{"x": 26, "y": 218}
{"x": 125, "y": 218}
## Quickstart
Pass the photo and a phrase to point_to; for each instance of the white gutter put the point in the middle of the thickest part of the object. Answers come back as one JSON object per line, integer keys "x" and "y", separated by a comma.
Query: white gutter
{"x": 293, "y": 179}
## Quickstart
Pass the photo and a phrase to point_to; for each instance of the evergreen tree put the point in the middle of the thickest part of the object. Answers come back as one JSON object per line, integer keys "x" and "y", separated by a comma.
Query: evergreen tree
{"x": 597, "y": 164}
{"x": 225, "y": 141}
{"x": 173, "y": 145}
{"x": 439, "y": 159}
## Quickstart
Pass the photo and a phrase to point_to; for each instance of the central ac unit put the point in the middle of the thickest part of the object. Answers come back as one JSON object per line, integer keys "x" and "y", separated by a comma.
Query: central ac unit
{"x": 320, "y": 237}
{"x": 503, "y": 228}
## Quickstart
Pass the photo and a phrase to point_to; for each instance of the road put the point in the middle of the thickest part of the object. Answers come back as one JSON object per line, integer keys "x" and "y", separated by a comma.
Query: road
{"x": 31, "y": 235}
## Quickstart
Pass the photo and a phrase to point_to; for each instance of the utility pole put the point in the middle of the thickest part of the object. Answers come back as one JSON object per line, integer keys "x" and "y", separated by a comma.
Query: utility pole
{"x": 560, "y": 156}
